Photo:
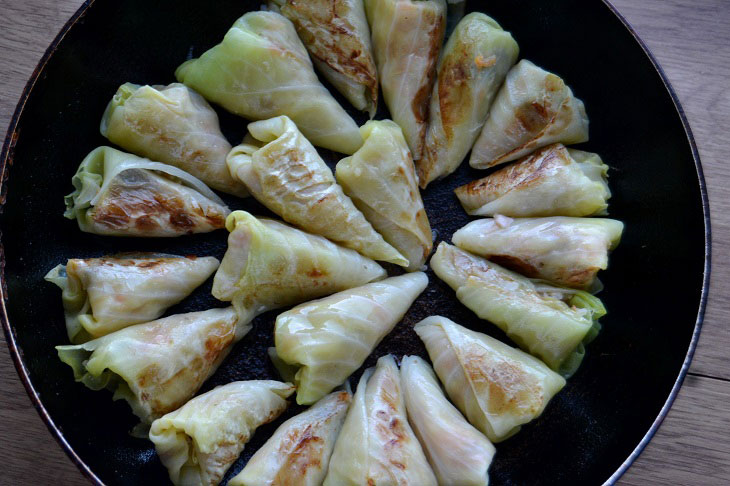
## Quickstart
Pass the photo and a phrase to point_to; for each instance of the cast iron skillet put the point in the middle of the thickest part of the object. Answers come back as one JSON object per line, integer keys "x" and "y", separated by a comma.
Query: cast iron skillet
{"x": 655, "y": 289}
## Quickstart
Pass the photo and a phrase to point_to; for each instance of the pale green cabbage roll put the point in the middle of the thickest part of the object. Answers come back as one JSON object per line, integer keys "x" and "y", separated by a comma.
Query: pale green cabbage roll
{"x": 553, "y": 181}
{"x": 497, "y": 387}
{"x": 565, "y": 251}
{"x": 198, "y": 442}
{"x": 473, "y": 65}
{"x": 172, "y": 124}
{"x": 459, "y": 454}
{"x": 103, "y": 295}
{"x": 534, "y": 108}
{"x": 298, "y": 453}
{"x": 157, "y": 366}
{"x": 376, "y": 444}
{"x": 326, "y": 340}
{"x": 553, "y": 323}
{"x": 262, "y": 70}
{"x": 337, "y": 36}
{"x": 381, "y": 180}
{"x": 120, "y": 194}
{"x": 285, "y": 173}
{"x": 407, "y": 37}
{"x": 270, "y": 265}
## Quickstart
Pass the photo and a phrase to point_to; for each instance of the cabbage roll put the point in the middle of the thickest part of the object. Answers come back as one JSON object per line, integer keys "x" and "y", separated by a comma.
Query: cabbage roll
{"x": 298, "y": 453}
{"x": 337, "y": 36}
{"x": 198, "y": 442}
{"x": 376, "y": 444}
{"x": 472, "y": 67}
{"x": 172, "y": 124}
{"x": 157, "y": 366}
{"x": 120, "y": 194}
{"x": 553, "y": 181}
{"x": 407, "y": 37}
{"x": 552, "y": 323}
{"x": 382, "y": 182}
{"x": 459, "y": 453}
{"x": 262, "y": 70}
{"x": 534, "y": 108}
{"x": 285, "y": 173}
{"x": 498, "y": 388}
{"x": 270, "y": 265}
{"x": 565, "y": 251}
{"x": 328, "y": 339}
{"x": 103, "y": 295}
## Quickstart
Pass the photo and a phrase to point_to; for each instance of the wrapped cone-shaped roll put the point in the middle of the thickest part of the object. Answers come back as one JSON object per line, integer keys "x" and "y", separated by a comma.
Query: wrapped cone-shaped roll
{"x": 172, "y": 124}
{"x": 270, "y": 265}
{"x": 497, "y": 387}
{"x": 328, "y": 339}
{"x": 199, "y": 442}
{"x": 157, "y": 366}
{"x": 381, "y": 180}
{"x": 533, "y": 109}
{"x": 262, "y": 70}
{"x": 376, "y": 444}
{"x": 285, "y": 173}
{"x": 103, "y": 295}
{"x": 299, "y": 451}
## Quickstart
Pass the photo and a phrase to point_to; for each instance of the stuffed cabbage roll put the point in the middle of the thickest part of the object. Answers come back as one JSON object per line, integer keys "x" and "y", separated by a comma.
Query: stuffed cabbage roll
{"x": 270, "y": 265}
{"x": 103, "y": 295}
{"x": 337, "y": 36}
{"x": 298, "y": 453}
{"x": 566, "y": 251}
{"x": 381, "y": 180}
{"x": 553, "y": 181}
{"x": 172, "y": 124}
{"x": 120, "y": 194}
{"x": 553, "y": 323}
{"x": 472, "y": 67}
{"x": 407, "y": 37}
{"x": 262, "y": 70}
{"x": 157, "y": 366}
{"x": 198, "y": 442}
{"x": 498, "y": 388}
{"x": 376, "y": 444}
{"x": 534, "y": 108}
{"x": 459, "y": 453}
{"x": 285, "y": 173}
{"x": 329, "y": 339}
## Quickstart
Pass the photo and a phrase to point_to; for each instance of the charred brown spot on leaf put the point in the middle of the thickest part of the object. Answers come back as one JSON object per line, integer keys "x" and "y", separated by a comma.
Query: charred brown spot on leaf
{"x": 453, "y": 88}
{"x": 420, "y": 103}
{"x": 149, "y": 263}
{"x": 533, "y": 117}
{"x": 305, "y": 450}
{"x": 516, "y": 264}
{"x": 316, "y": 273}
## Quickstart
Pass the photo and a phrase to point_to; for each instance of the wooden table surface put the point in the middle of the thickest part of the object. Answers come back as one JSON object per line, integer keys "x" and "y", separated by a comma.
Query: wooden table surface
{"x": 690, "y": 38}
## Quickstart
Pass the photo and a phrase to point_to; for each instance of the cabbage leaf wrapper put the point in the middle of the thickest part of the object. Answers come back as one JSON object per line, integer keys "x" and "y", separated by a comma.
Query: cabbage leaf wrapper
{"x": 103, "y": 295}
{"x": 270, "y": 265}
{"x": 329, "y": 339}
{"x": 553, "y": 181}
{"x": 552, "y": 323}
{"x": 120, "y": 194}
{"x": 337, "y": 36}
{"x": 298, "y": 454}
{"x": 261, "y": 70}
{"x": 381, "y": 180}
{"x": 534, "y": 108}
{"x": 157, "y": 366}
{"x": 458, "y": 453}
{"x": 174, "y": 125}
{"x": 376, "y": 444}
{"x": 497, "y": 387}
{"x": 407, "y": 37}
{"x": 284, "y": 172}
{"x": 473, "y": 65}
{"x": 198, "y": 442}
{"x": 566, "y": 251}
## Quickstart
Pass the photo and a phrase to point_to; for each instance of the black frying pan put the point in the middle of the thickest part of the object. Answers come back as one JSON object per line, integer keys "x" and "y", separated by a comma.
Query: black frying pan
{"x": 655, "y": 289}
